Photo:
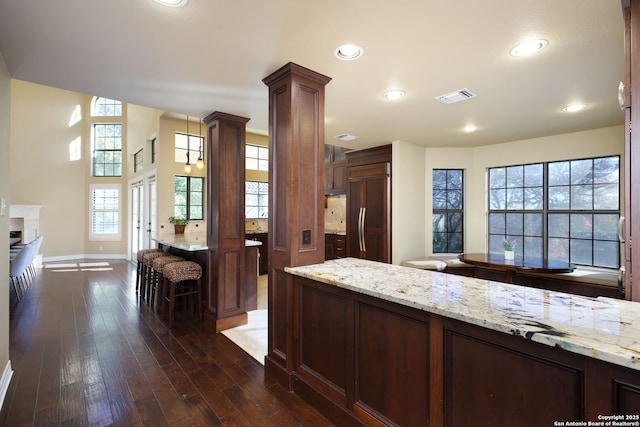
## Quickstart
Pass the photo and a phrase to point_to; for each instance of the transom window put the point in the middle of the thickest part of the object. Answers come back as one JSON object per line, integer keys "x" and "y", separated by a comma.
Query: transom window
{"x": 138, "y": 161}
{"x": 106, "y": 107}
{"x": 189, "y": 197}
{"x": 257, "y": 157}
{"x": 448, "y": 214}
{"x": 256, "y": 200}
{"x": 191, "y": 144}
{"x": 107, "y": 149}
{"x": 565, "y": 210}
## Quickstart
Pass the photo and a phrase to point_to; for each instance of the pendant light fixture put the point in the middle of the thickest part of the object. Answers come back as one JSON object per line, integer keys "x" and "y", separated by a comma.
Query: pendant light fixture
{"x": 200, "y": 162}
{"x": 187, "y": 166}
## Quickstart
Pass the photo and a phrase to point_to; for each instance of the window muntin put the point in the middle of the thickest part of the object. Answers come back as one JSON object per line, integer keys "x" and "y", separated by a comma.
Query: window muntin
{"x": 448, "y": 213}
{"x": 106, "y": 107}
{"x": 565, "y": 210}
{"x": 256, "y": 200}
{"x": 189, "y": 197}
{"x": 257, "y": 157}
{"x": 105, "y": 211}
{"x": 107, "y": 149}
{"x": 188, "y": 144}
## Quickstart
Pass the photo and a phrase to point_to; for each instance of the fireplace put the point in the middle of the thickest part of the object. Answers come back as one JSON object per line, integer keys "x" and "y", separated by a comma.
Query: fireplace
{"x": 24, "y": 221}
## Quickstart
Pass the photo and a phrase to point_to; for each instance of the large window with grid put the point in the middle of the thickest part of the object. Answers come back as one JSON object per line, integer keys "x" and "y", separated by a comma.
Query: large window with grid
{"x": 107, "y": 149}
{"x": 106, "y": 107}
{"x": 448, "y": 214}
{"x": 189, "y": 197}
{"x": 565, "y": 210}
{"x": 188, "y": 148}
{"x": 105, "y": 211}
{"x": 257, "y": 157}
{"x": 256, "y": 200}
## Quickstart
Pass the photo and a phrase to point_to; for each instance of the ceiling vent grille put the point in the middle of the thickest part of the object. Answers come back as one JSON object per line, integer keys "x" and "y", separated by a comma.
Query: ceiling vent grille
{"x": 346, "y": 137}
{"x": 457, "y": 96}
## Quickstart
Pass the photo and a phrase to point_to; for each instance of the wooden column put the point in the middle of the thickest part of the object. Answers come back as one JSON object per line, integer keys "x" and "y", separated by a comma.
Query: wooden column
{"x": 225, "y": 220}
{"x": 296, "y": 195}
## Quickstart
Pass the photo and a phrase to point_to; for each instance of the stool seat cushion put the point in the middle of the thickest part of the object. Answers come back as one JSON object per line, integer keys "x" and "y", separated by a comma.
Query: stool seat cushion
{"x": 150, "y": 256}
{"x": 425, "y": 264}
{"x": 159, "y": 263}
{"x": 181, "y": 271}
{"x": 141, "y": 252}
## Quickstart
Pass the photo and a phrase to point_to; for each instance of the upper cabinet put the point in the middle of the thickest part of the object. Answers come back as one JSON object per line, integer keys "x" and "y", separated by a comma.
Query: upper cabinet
{"x": 335, "y": 171}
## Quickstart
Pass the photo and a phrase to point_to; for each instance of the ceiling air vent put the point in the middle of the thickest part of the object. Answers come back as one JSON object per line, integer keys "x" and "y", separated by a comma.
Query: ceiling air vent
{"x": 457, "y": 96}
{"x": 346, "y": 137}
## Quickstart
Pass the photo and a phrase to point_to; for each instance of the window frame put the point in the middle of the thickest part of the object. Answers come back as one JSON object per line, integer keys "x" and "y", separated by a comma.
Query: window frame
{"x": 447, "y": 211}
{"x": 259, "y": 196}
{"x": 180, "y": 153}
{"x": 262, "y": 162}
{"x": 94, "y": 235}
{"x": 96, "y": 151}
{"x": 537, "y": 237}
{"x": 188, "y": 205}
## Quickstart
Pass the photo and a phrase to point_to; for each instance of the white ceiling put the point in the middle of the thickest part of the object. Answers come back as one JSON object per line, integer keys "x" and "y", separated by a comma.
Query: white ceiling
{"x": 212, "y": 56}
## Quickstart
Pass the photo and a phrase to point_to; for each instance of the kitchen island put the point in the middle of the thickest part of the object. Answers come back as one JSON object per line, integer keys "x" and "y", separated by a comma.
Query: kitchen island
{"x": 194, "y": 247}
{"x": 383, "y": 344}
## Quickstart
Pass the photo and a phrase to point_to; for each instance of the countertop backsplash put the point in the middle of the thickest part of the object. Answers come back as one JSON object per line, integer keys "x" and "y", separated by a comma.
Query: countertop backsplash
{"x": 335, "y": 214}
{"x": 256, "y": 225}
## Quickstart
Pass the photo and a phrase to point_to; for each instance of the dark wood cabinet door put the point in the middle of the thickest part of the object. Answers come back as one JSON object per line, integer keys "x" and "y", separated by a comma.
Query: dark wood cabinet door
{"x": 368, "y": 218}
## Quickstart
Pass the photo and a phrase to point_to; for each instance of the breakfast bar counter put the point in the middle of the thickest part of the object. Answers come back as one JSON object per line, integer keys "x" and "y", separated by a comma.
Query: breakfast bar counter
{"x": 395, "y": 345}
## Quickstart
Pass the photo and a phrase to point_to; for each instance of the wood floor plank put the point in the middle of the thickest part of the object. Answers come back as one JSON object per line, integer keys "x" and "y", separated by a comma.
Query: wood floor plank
{"x": 87, "y": 352}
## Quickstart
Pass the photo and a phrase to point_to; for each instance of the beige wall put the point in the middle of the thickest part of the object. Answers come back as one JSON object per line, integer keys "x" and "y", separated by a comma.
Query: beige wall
{"x": 5, "y": 175}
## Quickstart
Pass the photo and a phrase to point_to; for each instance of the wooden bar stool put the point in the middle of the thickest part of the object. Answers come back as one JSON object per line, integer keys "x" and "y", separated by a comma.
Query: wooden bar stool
{"x": 147, "y": 259}
{"x": 181, "y": 279}
{"x": 140, "y": 269}
{"x": 157, "y": 267}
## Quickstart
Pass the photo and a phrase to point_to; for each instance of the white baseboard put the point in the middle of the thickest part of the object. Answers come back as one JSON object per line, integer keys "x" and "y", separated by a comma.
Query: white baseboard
{"x": 4, "y": 382}
{"x": 83, "y": 256}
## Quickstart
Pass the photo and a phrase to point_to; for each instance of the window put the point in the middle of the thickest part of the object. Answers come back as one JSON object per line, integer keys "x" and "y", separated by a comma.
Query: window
{"x": 107, "y": 149}
{"x": 153, "y": 151}
{"x": 448, "y": 214}
{"x": 105, "y": 212}
{"x": 256, "y": 200}
{"x": 138, "y": 162}
{"x": 187, "y": 144}
{"x": 257, "y": 157}
{"x": 189, "y": 197}
{"x": 106, "y": 107}
{"x": 566, "y": 210}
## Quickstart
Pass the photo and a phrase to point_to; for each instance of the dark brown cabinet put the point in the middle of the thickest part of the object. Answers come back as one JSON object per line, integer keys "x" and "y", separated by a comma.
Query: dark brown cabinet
{"x": 334, "y": 246}
{"x": 263, "y": 252}
{"x": 369, "y": 204}
{"x": 335, "y": 170}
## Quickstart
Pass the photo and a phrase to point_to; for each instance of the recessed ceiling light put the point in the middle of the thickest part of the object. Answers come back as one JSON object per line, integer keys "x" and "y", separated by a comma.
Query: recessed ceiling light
{"x": 172, "y": 3}
{"x": 348, "y": 52}
{"x": 529, "y": 47}
{"x": 470, "y": 128}
{"x": 573, "y": 108}
{"x": 394, "y": 94}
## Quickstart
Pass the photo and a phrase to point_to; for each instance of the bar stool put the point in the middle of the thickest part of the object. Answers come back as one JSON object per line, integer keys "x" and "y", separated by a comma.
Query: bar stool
{"x": 147, "y": 259}
{"x": 157, "y": 267}
{"x": 140, "y": 269}
{"x": 181, "y": 279}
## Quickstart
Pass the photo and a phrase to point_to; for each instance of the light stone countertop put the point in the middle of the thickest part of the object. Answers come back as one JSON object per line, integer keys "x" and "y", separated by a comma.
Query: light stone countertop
{"x": 602, "y": 328}
{"x": 191, "y": 242}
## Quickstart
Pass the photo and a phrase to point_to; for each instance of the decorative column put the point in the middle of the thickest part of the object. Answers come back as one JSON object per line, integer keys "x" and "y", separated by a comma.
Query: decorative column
{"x": 225, "y": 220}
{"x": 296, "y": 196}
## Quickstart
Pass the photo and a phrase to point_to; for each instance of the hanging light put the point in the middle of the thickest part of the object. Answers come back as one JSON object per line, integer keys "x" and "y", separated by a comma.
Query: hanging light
{"x": 187, "y": 166}
{"x": 200, "y": 162}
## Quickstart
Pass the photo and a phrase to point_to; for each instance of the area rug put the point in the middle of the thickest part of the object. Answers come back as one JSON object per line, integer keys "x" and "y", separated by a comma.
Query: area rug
{"x": 252, "y": 337}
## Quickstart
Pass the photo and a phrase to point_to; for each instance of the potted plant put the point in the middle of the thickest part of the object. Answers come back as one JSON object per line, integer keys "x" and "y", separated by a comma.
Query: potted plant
{"x": 178, "y": 224}
{"x": 509, "y": 245}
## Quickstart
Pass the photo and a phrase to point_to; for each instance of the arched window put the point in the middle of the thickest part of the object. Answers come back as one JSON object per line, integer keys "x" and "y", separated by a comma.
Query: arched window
{"x": 106, "y": 107}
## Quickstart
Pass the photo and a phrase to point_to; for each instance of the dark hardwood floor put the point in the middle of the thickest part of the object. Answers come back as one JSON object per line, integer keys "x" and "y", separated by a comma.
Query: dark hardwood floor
{"x": 86, "y": 352}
